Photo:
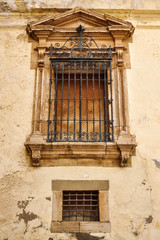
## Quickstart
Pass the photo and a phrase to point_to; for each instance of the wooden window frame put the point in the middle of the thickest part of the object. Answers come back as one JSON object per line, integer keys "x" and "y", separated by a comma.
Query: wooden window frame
{"x": 59, "y": 226}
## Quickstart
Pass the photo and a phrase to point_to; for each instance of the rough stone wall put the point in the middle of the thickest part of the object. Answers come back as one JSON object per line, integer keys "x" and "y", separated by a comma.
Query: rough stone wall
{"x": 25, "y": 192}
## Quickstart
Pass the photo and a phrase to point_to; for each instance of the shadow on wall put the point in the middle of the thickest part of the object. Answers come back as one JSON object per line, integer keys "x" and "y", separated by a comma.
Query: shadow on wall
{"x": 84, "y": 236}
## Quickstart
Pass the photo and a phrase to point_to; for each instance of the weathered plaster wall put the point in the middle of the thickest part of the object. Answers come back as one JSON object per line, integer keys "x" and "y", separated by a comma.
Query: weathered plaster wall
{"x": 23, "y": 5}
{"x": 25, "y": 192}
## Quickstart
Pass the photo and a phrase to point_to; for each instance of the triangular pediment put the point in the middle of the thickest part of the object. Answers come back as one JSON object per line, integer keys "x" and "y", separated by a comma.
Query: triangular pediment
{"x": 76, "y": 17}
{"x": 90, "y": 17}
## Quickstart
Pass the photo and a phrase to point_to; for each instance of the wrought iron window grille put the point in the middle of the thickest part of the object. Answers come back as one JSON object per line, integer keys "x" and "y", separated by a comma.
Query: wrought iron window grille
{"x": 80, "y": 206}
{"x": 80, "y": 92}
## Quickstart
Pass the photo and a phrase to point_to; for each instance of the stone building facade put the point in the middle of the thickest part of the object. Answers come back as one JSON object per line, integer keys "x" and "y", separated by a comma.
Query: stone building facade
{"x": 37, "y": 169}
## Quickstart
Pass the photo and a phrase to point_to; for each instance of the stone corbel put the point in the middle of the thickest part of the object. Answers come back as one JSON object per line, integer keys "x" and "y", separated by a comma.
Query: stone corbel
{"x": 127, "y": 145}
{"x": 34, "y": 145}
{"x": 35, "y": 153}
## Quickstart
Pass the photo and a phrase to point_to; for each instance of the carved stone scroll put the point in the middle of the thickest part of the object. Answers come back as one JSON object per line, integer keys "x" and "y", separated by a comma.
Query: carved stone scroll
{"x": 120, "y": 60}
{"x": 41, "y": 54}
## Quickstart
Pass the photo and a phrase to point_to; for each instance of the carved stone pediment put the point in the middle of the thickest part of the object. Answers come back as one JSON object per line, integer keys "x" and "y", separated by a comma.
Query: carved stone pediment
{"x": 73, "y": 18}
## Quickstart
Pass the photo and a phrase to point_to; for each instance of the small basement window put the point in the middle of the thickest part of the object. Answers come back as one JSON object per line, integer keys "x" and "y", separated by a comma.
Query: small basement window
{"x": 80, "y": 206}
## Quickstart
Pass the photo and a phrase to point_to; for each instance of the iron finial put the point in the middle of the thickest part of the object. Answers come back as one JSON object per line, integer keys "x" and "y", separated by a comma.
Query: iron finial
{"x": 80, "y": 29}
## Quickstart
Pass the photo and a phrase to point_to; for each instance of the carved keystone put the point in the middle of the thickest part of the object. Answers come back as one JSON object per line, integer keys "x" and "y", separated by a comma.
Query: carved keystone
{"x": 127, "y": 144}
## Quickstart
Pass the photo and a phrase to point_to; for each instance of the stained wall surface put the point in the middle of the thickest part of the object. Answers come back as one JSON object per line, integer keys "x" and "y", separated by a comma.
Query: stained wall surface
{"x": 23, "y": 5}
{"x": 25, "y": 192}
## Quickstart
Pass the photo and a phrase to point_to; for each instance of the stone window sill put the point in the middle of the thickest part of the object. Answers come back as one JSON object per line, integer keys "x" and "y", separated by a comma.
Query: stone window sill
{"x": 83, "y": 227}
{"x": 110, "y": 154}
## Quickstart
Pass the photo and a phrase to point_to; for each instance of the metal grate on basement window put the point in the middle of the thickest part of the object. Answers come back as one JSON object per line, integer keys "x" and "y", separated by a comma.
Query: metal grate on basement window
{"x": 80, "y": 206}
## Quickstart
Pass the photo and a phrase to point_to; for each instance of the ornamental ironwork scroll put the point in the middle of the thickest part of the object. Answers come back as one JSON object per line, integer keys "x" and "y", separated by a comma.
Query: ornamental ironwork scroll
{"x": 82, "y": 46}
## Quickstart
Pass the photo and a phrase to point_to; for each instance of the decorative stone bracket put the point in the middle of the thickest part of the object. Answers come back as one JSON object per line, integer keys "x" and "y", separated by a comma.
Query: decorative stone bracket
{"x": 127, "y": 145}
{"x": 34, "y": 146}
{"x": 41, "y": 55}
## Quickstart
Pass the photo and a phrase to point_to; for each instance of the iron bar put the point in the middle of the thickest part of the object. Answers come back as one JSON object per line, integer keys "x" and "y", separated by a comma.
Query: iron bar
{"x": 74, "y": 99}
{"x": 79, "y": 59}
{"x": 68, "y": 99}
{"x": 62, "y": 99}
{"x": 105, "y": 103}
{"x": 83, "y": 204}
{"x": 90, "y": 205}
{"x": 77, "y": 120}
{"x": 69, "y": 203}
{"x": 80, "y": 103}
{"x": 49, "y": 112}
{"x": 93, "y": 101}
{"x": 87, "y": 99}
{"x": 55, "y": 101}
{"x": 76, "y": 206}
{"x": 111, "y": 99}
{"x": 99, "y": 85}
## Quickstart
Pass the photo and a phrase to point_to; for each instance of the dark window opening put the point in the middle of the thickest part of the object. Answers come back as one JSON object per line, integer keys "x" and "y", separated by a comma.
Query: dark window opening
{"x": 80, "y": 206}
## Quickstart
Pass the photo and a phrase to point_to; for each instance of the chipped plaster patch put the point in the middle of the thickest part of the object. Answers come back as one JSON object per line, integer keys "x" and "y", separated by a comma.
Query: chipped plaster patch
{"x": 23, "y": 204}
{"x": 137, "y": 227}
{"x": 26, "y": 216}
{"x": 85, "y": 175}
{"x": 48, "y": 198}
{"x": 136, "y": 233}
{"x": 149, "y": 219}
{"x": 157, "y": 162}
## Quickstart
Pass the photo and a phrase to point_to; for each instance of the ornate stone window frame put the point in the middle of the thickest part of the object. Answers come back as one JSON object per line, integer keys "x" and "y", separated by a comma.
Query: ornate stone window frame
{"x": 59, "y": 226}
{"x": 107, "y": 30}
